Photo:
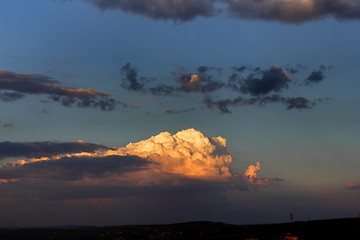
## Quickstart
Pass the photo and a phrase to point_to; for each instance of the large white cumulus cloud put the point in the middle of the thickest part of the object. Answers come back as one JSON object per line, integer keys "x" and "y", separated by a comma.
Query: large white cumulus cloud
{"x": 188, "y": 154}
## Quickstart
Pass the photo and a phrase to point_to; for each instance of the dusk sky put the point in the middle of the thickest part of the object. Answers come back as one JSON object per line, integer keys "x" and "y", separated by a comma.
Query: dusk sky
{"x": 163, "y": 111}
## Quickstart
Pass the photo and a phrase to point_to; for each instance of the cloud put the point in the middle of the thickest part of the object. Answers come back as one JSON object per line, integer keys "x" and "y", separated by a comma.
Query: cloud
{"x": 299, "y": 103}
{"x": 6, "y": 96}
{"x": 353, "y": 185}
{"x": 293, "y": 11}
{"x": 223, "y": 105}
{"x": 167, "y": 111}
{"x": 176, "y": 10}
{"x": 8, "y": 125}
{"x": 251, "y": 175}
{"x": 202, "y": 81}
{"x": 183, "y": 82}
{"x": 45, "y": 149}
{"x": 74, "y": 168}
{"x": 14, "y": 86}
{"x": 317, "y": 76}
{"x": 176, "y": 174}
{"x": 187, "y": 154}
{"x": 273, "y": 80}
{"x": 287, "y": 11}
{"x": 131, "y": 81}
{"x": 254, "y": 86}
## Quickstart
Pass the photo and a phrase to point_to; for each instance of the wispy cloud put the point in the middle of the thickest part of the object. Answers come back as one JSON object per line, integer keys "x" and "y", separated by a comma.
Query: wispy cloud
{"x": 294, "y": 11}
{"x": 45, "y": 149}
{"x": 14, "y": 86}
{"x": 74, "y": 168}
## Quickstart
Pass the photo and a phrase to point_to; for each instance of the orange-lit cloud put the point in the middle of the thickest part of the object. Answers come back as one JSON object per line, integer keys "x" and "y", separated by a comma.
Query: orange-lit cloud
{"x": 188, "y": 154}
{"x": 8, "y": 180}
{"x": 251, "y": 175}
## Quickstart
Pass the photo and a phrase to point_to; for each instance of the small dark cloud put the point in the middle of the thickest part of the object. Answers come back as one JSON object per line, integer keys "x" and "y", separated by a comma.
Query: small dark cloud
{"x": 167, "y": 111}
{"x": 131, "y": 81}
{"x": 198, "y": 82}
{"x": 44, "y": 111}
{"x": 17, "y": 85}
{"x": 223, "y": 105}
{"x": 298, "y": 103}
{"x": 261, "y": 82}
{"x": 317, "y": 76}
{"x": 278, "y": 179}
{"x": 8, "y": 125}
{"x": 163, "y": 90}
{"x": 45, "y": 149}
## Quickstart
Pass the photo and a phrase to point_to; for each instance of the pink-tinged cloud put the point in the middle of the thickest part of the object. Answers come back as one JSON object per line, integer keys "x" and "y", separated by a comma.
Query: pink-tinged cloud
{"x": 251, "y": 175}
{"x": 90, "y": 201}
{"x": 10, "y": 180}
{"x": 353, "y": 185}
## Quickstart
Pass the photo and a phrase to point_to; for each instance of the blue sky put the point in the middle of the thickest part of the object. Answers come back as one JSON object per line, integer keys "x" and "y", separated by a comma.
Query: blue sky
{"x": 312, "y": 149}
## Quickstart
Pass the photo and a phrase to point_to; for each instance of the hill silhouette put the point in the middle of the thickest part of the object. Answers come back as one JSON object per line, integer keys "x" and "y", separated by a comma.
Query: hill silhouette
{"x": 345, "y": 228}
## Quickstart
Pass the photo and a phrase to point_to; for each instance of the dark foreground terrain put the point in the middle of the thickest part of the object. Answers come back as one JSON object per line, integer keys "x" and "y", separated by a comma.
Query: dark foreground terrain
{"x": 342, "y": 229}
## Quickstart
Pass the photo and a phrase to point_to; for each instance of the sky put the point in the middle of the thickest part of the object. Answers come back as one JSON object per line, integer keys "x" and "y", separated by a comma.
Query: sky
{"x": 162, "y": 111}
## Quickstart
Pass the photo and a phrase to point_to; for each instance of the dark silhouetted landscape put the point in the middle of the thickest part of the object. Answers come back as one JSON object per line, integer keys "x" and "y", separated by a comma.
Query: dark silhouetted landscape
{"x": 345, "y": 228}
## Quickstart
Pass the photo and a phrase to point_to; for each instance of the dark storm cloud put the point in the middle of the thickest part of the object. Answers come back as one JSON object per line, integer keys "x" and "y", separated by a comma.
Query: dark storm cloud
{"x": 260, "y": 82}
{"x": 45, "y": 149}
{"x": 15, "y": 86}
{"x": 295, "y": 11}
{"x": 75, "y": 168}
{"x": 299, "y": 103}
